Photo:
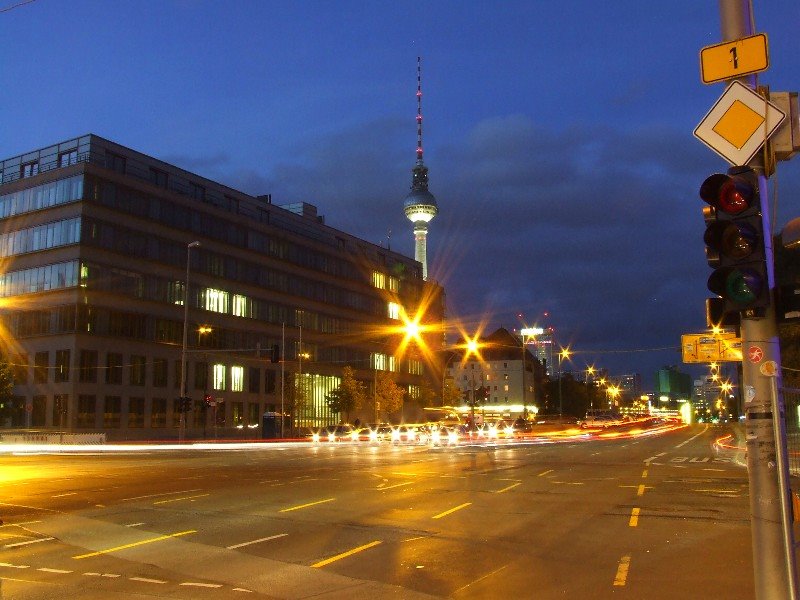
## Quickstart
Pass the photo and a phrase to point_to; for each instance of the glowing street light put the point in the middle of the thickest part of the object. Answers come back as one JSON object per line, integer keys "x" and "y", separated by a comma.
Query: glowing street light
{"x": 563, "y": 355}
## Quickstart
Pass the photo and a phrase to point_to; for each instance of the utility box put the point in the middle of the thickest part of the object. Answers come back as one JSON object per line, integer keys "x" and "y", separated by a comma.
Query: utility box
{"x": 271, "y": 425}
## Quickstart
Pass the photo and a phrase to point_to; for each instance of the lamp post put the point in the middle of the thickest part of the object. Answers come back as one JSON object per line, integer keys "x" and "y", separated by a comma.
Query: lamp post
{"x": 561, "y": 355}
{"x": 182, "y": 423}
{"x": 528, "y": 331}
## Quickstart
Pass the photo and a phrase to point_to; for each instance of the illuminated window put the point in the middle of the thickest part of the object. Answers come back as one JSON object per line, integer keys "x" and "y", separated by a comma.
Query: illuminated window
{"x": 242, "y": 306}
{"x": 379, "y": 280}
{"x": 215, "y": 300}
{"x": 237, "y": 379}
{"x": 378, "y": 361}
{"x": 414, "y": 391}
{"x": 505, "y": 388}
{"x": 415, "y": 367}
{"x": 392, "y": 364}
{"x": 219, "y": 377}
{"x": 394, "y": 284}
{"x": 394, "y": 310}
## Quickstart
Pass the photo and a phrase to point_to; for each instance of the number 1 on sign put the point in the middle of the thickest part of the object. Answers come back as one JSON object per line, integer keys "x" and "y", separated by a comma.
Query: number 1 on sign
{"x": 735, "y": 58}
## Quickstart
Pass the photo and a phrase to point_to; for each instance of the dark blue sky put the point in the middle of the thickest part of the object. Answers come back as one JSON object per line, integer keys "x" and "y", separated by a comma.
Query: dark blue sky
{"x": 558, "y": 134}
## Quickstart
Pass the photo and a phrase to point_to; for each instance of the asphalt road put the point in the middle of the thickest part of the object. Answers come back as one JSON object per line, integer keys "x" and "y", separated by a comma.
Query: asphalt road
{"x": 663, "y": 516}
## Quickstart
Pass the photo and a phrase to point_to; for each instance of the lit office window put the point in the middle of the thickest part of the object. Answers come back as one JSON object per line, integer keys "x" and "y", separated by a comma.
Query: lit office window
{"x": 242, "y": 306}
{"x": 394, "y": 284}
{"x": 237, "y": 379}
{"x": 215, "y": 300}
{"x": 392, "y": 364}
{"x": 219, "y": 377}
{"x": 394, "y": 310}
{"x": 379, "y": 280}
{"x": 415, "y": 367}
{"x": 378, "y": 361}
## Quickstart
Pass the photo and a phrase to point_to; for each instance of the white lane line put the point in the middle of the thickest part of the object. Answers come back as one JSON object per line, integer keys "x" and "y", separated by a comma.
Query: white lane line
{"x": 146, "y": 580}
{"x": 266, "y": 539}
{"x": 242, "y": 590}
{"x": 10, "y": 566}
{"x": 46, "y": 570}
{"x": 18, "y": 524}
{"x": 203, "y": 585}
{"x": 164, "y": 494}
{"x": 683, "y": 443}
{"x": 28, "y": 542}
{"x": 396, "y": 485}
{"x": 65, "y": 494}
{"x": 133, "y": 524}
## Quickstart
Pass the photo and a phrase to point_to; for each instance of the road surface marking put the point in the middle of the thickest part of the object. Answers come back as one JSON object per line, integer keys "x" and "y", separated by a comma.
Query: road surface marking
{"x": 290, "y": 509}
{"x": 155, "y": 539}
{"x": 622, "y": 570}
{"x": 64, "y": 494}
{"x": 683, "y": 443}
{"x": 164, "y": 494}
{"x": 242, "y": 590}
{"x": 203, "y": 585}
{"x": 634, "y": 517}
{"x": 328, "y": 561}
{"x": 109, "y": 575}
{"x": 146, "y": 580}
{"x": 46, "y": 570}
{"x": 452, "y": 510}
{"x": 396, "y": 485}
{"x": 647, "y": 461}
{"x": 542, "y": 474}
{"x": 644, "y": 474}
{"x": 179, "y": 499}
{"x": 266, "y": 539}
{"x": 133, "y": 524}
{"x": 18, "y": 524}
{"x": 709, "y": 492}
{"x": 510, "y": 487}
{"x": 28, "y": 542}
{"x": 479, "y": 579}
{"x": 642, "y": 488}
{"x": 419, "y": 537}
{"x": 2, "y": 564}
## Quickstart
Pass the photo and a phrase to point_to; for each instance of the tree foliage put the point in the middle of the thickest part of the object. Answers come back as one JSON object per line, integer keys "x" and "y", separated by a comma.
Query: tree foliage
{"x": 388, "y": 395}
{"x": 349, "y": 396}
{"x": 7, "y": 407}
{"x": 451, "y": 395}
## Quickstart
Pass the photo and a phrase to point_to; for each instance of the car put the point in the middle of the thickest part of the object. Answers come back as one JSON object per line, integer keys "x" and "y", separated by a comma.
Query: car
{"x": 334, "y": 433}
{"x": 600, "y": 418}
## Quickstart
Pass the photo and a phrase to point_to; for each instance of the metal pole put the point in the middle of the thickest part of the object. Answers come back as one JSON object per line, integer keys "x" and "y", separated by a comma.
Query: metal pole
{"x": 560, "y": 405}
{"x": 283, "y": 358}
{"x": 182, "y": 422}
{"x": 773, "y": 564}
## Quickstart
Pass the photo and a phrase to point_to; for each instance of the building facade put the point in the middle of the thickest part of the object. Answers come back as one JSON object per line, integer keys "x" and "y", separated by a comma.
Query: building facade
{"x": 98, "y": 243}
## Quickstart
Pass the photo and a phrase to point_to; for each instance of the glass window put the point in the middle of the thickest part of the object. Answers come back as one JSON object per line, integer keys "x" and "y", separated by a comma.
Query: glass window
{"x": 215, "y": 300}
{"x": 393, "y": 284}
{"x": 67, "y": 158}
{"x": 237, "y": 378}
{"x": 158, "y": 413}
{"x": 41, "y": 366}
{"x": 19, "y": 369}
{"x": 87, "y": 369}
{"x": 379, "y": 280}
{"x": 201, "y": 375}
{"x": 87, "y": 406}
{"x": 138, "y": 371}
{"x": 254, "y": 381}
{"x": 219, "y": 377}
{"x": 62, "y": 365}
{"x": 114, "y": 368}
{"x": 242, "y": 306}
{"x": 237, "y": 413}
{"x": 135, "y": 412}
{"x": 160, "y": 369}
{"x": 394, "y": 310}
{"x": 111, "y": 411}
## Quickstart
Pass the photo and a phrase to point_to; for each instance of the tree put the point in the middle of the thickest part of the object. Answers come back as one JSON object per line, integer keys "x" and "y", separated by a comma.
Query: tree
{"x": 295, "y": 398}
{"x": 427, "y": 395}
{"x": 349, "y": 396}
{"x": 388, "y": 395}
{"x": 7, "y": 407}
{"x": 451, "y": 395}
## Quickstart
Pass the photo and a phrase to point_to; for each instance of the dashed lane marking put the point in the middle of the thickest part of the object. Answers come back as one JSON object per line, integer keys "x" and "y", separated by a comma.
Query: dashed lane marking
{"x": 146, "y": 580}
{"x": 142, "y": 542}
{"x": 451, "y": 511}
{"x": 634, "y": 521}
{"x": 622, "y": 571}
{"x": 510, "y": 487}
{"x": 683, "y": 443}
{"x": 46, "y": 539}
{"x": 202, "y": 585}
{"x": 48, "y": 570}
{"x": 328, "y": 561}
{"x": 179, "y": 499}
{"x": 543, "y": 473}
{"x": 301, "y": 506}
{"x": 266, "y": 539}
{"x": 396, "y": 485}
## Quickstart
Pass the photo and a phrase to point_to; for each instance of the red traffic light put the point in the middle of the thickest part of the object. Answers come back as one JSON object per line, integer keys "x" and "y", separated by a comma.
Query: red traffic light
{"x": 730, "y": 194}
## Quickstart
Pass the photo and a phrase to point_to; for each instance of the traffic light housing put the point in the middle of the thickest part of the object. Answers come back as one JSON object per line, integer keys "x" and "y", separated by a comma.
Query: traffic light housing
{"x": 734, "y": 240}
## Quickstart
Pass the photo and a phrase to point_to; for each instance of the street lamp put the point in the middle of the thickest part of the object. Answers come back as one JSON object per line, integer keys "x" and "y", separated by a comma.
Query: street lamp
{"x": 529, "y": 331}
{"x": 182, "y": 422}
{"x": 565, "y": 353}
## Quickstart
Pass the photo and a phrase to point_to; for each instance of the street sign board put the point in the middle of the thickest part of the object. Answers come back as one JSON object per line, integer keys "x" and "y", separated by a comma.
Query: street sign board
{"x": 707, "y": 347}
{"x": 739, "y": 123}
{"x": 734, "y": 59}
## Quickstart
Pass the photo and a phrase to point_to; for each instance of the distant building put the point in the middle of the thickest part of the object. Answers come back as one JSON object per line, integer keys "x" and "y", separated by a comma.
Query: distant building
{"x": 98, "y": 241}
{"x": 672, "y": 387}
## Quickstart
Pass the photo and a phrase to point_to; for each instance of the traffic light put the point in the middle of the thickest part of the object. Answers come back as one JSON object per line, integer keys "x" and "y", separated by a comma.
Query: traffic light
{"x": 207, "y": 399}
{"x": 734, "y": 240}
{"x": 275, "y": 355}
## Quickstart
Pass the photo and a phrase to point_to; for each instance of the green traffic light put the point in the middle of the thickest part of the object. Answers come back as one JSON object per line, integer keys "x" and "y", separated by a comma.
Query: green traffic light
{"x": 743, "y": 286}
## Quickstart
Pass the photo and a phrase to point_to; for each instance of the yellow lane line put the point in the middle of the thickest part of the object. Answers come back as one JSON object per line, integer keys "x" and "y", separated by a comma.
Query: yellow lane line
{"x": 290, "y": 509}
{"x": 179, "y": 499}
{"x": 510, "y": 487}
{"x": 156, "y": 539}
{"x": 452, "y": 510}
{"x": 644, "y": 474}
{"x": 634, "y": 517}
{"x": 542, "y": 474}
{"x": 622, "y": 570}
{"x": 328, "y": 561}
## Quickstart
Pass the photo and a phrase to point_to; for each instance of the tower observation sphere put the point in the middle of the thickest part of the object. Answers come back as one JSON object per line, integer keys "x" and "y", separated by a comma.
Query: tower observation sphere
{"x": 420, "y": 205}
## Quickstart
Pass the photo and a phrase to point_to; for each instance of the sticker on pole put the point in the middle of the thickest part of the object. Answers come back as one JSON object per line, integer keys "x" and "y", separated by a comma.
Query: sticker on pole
{"x": 755, "y": 354}
{"x": 769, "y": 368}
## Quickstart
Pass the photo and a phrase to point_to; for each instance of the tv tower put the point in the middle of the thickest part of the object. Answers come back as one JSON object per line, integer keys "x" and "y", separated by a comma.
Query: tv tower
{"x": 420, "y": 205}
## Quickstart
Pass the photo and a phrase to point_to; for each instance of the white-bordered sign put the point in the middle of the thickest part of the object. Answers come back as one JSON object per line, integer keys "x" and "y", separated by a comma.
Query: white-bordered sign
{"x": 738, "y": 124}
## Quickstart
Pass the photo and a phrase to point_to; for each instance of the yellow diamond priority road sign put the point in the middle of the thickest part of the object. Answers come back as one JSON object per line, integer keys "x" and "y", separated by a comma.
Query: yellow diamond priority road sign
{"x": 734, "y": 59}
{"x": 739, "y": 123}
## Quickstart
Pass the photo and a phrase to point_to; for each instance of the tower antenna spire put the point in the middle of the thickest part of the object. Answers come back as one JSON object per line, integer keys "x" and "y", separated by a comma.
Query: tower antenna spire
{"x": 419, "y": 110}
{"x": 420, "y": 205}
